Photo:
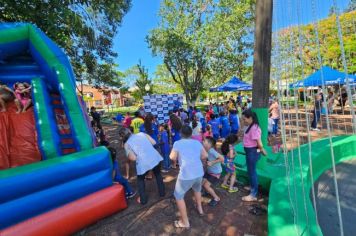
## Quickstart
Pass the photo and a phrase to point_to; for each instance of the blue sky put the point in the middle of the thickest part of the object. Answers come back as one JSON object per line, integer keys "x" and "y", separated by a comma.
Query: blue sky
{"x": 130, "y": 42}
{"x": 142, "y": 17}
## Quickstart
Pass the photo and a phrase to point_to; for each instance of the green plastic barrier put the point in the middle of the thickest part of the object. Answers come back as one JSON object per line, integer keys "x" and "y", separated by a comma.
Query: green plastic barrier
{"x": 293, "y": 214}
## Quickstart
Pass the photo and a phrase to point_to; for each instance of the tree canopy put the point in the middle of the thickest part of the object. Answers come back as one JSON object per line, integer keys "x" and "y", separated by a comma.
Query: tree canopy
{"x": 139, "y": 74}
{"x": 203, "y": 42}
{"x": 84, "y": 29}
{"x": 330, "y": 49}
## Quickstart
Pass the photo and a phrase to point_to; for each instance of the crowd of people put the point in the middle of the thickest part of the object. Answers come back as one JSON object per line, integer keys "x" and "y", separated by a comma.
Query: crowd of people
{"x": 187, "y": 141}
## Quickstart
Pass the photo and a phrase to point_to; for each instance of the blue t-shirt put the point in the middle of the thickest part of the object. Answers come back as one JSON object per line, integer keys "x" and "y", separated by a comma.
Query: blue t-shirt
{"x": 215, "y": 123}
{"x": 175, "y": 135}
{"x": 154, "y": 134}
{"x": 225, "y": 124}
{"x": 216, "y": 168}
{"x": 203, "y": 124}
{"x": 234, "y": 121}
{"x": 164, "y": 143}
{"x": 119, "y": 118}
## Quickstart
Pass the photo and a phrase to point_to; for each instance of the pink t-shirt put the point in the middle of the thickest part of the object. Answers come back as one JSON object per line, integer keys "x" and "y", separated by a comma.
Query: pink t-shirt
{"x": 274, "y": 108}
{"x": 250, "y": 139}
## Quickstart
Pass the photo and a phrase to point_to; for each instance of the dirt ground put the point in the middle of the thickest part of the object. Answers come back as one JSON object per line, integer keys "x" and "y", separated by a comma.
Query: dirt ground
{"x": 230, "y": 217}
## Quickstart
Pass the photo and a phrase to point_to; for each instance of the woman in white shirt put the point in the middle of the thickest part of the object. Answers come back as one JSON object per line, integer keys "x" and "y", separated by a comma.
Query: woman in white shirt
{"x": 190, "y": 154}
{"x": 139, "y": 148}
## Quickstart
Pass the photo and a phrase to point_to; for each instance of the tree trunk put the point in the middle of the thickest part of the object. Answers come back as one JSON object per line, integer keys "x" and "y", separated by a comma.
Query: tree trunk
{"x": 262, "y": 63}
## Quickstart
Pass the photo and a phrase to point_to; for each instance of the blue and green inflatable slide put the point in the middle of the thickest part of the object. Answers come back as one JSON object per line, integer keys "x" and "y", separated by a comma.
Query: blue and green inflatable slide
{"x": 61, "y": 179}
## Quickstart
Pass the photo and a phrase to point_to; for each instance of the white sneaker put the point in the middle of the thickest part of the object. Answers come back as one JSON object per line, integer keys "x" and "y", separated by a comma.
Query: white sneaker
{"x": 316, "y": 129}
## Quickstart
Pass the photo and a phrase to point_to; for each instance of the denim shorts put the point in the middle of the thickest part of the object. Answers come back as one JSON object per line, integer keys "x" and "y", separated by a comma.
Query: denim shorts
{"x": 182, "y": 186}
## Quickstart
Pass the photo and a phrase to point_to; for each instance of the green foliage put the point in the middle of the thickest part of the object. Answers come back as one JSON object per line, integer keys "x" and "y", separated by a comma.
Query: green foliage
{"x": 139, "y": 74}
{"x": 202, "y": 42}
{"x": 330, "y": 51}
{"x": 162, "y": 82}
{"x": 84, "y": 29}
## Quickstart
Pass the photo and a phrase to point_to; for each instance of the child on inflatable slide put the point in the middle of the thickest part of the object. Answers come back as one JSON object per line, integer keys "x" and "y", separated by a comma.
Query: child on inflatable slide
{"x": 6, "y": 96}
{"x": 23, "y": 95}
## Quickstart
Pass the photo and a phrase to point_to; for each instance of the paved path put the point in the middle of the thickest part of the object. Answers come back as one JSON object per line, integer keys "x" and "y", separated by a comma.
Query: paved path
{"x": 326, "y": 199}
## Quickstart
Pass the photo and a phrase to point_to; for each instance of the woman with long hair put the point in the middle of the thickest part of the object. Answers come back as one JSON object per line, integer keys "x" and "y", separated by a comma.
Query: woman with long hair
{"x": 149, "y": 127}
{"x": 253, "y": 147}
{"x": 176, "y": 126}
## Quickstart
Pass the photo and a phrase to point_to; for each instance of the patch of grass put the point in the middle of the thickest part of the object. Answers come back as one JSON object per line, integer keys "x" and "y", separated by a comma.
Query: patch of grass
{"x": 122, "y": 110}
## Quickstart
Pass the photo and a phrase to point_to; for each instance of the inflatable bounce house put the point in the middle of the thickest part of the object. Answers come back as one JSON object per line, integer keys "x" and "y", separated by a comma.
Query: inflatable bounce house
{"x": 53, "y": 180}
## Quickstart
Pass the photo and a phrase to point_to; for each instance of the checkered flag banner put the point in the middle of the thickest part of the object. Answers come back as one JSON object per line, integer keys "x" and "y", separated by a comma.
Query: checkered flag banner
{"x": 160, "y": 104}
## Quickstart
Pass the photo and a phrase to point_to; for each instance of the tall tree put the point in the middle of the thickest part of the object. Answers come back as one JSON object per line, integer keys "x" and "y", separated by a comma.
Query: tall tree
{"x": 202, "y": 42}
{"x": 329, "y": 46}
{"x": 139, "y": 74}
{"x": 84, "y": 29}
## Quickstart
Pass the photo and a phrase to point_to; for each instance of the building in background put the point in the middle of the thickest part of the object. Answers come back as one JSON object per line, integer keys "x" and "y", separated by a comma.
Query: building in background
{"x": 104, "y": 97}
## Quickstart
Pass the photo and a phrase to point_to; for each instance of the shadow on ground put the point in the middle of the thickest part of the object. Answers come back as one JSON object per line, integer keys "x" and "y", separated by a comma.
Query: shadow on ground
{"x": 230, "y": 217}
{"x": 326, "y": 199}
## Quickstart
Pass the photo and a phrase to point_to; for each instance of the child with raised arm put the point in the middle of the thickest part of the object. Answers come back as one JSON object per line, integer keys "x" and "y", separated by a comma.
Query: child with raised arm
{"x": 214, "y": 169}
{"x": 229, "y": 153}
{"x": 23, "y": 94}
{"x": 190, "y": 154}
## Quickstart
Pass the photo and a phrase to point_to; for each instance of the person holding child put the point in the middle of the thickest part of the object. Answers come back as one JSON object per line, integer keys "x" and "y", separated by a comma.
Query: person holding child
{"x": 189, "y": 154}
{"x": 253, "y": 148}
{"x": 139, "y": 148}
{"x": 214, "y": 169}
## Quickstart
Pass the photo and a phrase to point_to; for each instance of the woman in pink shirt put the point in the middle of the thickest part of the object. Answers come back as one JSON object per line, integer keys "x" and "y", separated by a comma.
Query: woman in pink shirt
{"x": 253, "y": 147}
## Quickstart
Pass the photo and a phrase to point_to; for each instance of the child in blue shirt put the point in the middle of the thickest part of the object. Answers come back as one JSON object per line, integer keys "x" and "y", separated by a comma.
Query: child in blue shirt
{"x": 215, "y": 126}
{"x": 119, "y": 118}
{"x": 117, "y": 177}
{"x": 234, "y": 121}
{"x": 164, "y": 147}
{"x": 225, "y": 125}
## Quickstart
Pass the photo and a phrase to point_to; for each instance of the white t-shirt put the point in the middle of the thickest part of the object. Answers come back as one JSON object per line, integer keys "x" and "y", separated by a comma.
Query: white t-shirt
{"x": 270, "y": 124}
{"x": 196, "y": 130}
{"x": 189, "y": 153}
{"x": 147, "y": 156}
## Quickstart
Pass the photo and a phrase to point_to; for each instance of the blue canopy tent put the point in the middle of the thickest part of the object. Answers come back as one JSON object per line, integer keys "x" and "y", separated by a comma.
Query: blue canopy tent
{"x": 331, "y": 77}
{"x": 234, "y": 84}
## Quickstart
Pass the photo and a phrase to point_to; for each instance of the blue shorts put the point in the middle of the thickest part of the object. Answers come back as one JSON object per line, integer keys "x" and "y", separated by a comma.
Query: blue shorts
{"x": 182, "y": 186}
